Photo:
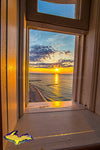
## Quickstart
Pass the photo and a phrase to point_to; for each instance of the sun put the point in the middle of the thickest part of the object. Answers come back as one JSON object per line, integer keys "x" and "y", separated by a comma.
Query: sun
{"x": 56, "y": 69}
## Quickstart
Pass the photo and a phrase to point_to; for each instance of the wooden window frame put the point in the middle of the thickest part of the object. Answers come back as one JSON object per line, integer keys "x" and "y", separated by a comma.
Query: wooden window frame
{"x": 79, "y": 24}
{"x": 77, "y": 54}
{"x": 78, "y": 27}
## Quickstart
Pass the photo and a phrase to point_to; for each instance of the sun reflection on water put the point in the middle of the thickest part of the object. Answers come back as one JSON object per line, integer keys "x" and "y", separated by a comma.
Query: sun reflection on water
{"x": 56, "y": 79}
{"x": 56, "y": 85}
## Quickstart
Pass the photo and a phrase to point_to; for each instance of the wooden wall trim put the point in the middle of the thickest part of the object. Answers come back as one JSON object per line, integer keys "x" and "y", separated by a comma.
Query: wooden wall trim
{"x": 6, "y": 62}
{"x": 1, "y": 136}
{"x": 21, "y": 58}
{"x": 80, "y": 67}
{"x": 75, "y": 74}
{"x": 97, "y": 102}
{"x": 20, "y": 61}
{"x": 91, "y": 57}
{"x": 95, "y": 69}
{"x": 27, "y": 68}
{"x": 4, "y": 68}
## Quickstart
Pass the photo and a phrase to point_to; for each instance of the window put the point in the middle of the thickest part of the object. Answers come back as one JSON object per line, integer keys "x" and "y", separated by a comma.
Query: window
{"x": 36, "y": 13}
{"x": 77, "y": 26}
{"x": 51, "y": 62}
{"x": 62, "y": 9}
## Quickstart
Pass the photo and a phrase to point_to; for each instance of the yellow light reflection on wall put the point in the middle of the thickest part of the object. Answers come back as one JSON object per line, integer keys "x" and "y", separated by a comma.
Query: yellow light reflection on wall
{"x": 11, "y": 67}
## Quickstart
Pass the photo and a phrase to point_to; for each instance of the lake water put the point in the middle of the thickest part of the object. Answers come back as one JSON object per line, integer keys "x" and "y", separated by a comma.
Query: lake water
{"x": 56, "y": 87}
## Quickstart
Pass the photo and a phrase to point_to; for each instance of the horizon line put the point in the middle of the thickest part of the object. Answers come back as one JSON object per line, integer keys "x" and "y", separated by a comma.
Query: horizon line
{"x": 52, "y": 73}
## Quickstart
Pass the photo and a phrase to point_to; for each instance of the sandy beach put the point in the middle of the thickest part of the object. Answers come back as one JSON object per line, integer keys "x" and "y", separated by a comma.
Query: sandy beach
{"x": 35, "y": 95}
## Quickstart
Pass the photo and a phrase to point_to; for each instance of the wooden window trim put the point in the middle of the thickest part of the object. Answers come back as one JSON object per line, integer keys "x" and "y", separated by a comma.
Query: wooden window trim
{"x": 54, "y": 28}
{"x": 43, "y": 27}
{"x": 82, "y": 23}
{"x": 62, "y": 1}
{"x": 76, "y": 27}
{"x": 1, "y": 134}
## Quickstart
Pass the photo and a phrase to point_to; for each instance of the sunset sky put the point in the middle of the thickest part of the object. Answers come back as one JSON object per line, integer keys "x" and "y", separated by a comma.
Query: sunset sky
{"x": 51, "y": 52}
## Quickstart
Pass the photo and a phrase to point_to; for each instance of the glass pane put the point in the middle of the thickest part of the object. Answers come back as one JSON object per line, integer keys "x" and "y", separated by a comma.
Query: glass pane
{"x": 51, "y": 62}
{"x": 58, "y": 9}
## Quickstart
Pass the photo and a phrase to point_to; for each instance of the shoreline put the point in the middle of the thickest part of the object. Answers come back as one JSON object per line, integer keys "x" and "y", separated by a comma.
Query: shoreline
{"x": 35, "y": 95}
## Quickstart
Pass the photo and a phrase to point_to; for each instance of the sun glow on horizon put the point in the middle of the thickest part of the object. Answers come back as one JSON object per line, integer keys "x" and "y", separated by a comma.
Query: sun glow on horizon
{"x": 68, "y": 70}
{"x": 56, "y": 70}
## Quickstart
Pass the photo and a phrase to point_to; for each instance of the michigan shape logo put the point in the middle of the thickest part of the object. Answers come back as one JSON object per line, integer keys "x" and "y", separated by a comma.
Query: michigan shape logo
{"x": 15, "y": 138}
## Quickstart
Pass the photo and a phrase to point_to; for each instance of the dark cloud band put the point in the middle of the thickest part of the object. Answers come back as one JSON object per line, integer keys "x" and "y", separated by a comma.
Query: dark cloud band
{"x": 39, "y": 52}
